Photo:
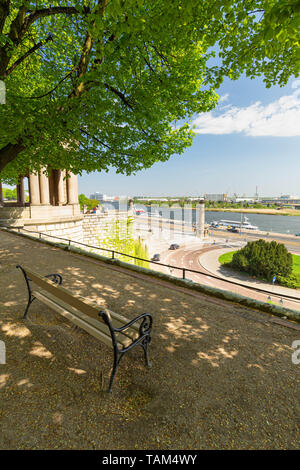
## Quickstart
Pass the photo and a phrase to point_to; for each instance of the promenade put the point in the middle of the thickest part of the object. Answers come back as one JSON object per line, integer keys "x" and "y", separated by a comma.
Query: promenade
{"x": 210, "y": 262}
{"x": 222, "y": 375}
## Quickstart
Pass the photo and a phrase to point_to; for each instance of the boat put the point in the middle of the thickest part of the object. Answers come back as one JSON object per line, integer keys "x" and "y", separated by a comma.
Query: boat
{"x": 139, "y": 211}
{"x": 243, "y": 224}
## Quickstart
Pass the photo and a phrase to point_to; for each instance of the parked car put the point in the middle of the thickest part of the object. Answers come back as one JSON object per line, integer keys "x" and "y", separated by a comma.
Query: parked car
{"x": 297, "y": 234}
{"x": 156, "y": 257}
{"x": 174, "y": 246}
{"x": 233, "y": 229}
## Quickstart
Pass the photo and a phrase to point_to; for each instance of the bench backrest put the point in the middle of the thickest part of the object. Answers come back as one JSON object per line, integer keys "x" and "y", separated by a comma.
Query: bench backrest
{"x": 63, "y": 294}
{"x": 75, "y": 300}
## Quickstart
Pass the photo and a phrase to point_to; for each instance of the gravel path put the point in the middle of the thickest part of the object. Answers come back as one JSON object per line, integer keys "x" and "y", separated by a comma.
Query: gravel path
{"x": 221, "y": 376}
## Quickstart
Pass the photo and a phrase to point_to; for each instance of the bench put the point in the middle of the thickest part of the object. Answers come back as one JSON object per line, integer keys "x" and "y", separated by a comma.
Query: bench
{"x": 109, "y": 327}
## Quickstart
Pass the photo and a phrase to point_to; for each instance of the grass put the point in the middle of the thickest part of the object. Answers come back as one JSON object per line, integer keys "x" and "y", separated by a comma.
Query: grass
{"x": 296, "y": 265}
{"x": 227, "y": 258}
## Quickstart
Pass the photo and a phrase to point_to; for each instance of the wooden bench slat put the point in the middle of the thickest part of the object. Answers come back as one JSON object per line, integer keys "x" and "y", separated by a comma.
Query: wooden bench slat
{"x": 123, "y": 339}
{"x": 76, "y": 320}
{"x": 74, "y": 300}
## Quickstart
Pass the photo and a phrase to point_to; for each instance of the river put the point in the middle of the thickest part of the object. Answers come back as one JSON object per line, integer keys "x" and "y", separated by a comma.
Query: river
{"x": 264, "y": 222}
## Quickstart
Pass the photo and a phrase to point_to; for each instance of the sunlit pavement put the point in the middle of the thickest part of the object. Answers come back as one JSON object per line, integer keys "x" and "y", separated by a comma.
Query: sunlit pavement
{"x": 202, "y": 256}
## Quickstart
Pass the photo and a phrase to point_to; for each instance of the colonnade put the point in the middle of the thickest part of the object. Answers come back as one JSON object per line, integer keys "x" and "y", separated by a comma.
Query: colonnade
{"x": 59, "y": 189}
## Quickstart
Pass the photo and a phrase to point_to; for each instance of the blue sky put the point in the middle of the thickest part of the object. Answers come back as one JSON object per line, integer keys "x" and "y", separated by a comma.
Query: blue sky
{"x": 251, "y": 139}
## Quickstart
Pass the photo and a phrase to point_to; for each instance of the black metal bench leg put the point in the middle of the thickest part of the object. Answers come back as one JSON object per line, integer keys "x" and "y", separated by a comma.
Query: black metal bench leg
{"x": 30, "y": 296}
{"x": 145, "y": 345}
{"x": 27, "y": 308}
{"x": 114, "y": 371}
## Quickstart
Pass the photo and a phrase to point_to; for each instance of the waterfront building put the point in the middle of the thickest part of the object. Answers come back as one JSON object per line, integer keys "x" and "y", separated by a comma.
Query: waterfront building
{"x": 216, "y": 197}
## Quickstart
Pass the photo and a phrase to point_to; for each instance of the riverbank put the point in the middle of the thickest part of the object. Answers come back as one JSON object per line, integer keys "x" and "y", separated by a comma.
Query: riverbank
{"x": 291, "y": 212}
{"x": 249, "y": 210}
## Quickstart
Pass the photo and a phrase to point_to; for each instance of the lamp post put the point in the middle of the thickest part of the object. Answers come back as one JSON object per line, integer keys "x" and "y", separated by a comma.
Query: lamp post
{"x": 241, "y": 218}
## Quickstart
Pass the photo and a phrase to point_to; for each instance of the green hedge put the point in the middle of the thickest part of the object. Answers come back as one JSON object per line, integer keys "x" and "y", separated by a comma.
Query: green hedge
{"x": 264, "y": 259}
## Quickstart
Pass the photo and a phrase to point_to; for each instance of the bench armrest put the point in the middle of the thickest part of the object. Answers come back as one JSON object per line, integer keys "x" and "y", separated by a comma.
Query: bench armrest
{"x": 55, "y": 278}
{"x": 145, "y": 326}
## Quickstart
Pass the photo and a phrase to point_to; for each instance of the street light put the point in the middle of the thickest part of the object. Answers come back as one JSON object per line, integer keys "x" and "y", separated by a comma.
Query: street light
{"x": 241, "y": 218}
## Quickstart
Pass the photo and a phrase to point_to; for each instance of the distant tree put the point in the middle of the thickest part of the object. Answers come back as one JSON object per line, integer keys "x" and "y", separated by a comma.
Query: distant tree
{"x": 182, "y": 202}
{"x": 170, "y": 202}
{"x": 10, "y": 194}
{"x": 89, "y": 203}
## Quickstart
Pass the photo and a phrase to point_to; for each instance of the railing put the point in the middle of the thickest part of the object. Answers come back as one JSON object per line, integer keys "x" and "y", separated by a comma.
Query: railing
{"x": 170, "y": 267}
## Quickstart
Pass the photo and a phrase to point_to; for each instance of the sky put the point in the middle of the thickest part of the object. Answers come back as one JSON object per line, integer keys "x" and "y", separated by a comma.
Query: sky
{"x": 251, "y": 139}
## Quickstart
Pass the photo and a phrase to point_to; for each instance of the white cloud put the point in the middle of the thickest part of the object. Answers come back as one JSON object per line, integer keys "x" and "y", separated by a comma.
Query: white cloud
{"x": 296, "y": 84}
{"x": 223, "y": 98}
{"x": 278, "y": 119}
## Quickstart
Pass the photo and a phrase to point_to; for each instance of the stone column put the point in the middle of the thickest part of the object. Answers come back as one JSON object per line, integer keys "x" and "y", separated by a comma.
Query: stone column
{"x": 44, "y": 189}
{"x": 60, "y": 187}
{"x": 34, "y": 189}
{"x": 201, "y": 220}
{"x": 21, "y": 192}
{"x": 1, "y": 195}
{"x": 72, "y": 189}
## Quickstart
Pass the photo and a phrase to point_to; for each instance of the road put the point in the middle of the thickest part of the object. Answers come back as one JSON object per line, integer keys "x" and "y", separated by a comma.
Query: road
{"x": 189, "y": 258}
{"x": 292, "y": 243}
{"x": 175, "y": 229}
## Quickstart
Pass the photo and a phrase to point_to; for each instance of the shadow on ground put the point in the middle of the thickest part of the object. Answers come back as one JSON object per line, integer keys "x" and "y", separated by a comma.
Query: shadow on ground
{"x": 222, "y": 377}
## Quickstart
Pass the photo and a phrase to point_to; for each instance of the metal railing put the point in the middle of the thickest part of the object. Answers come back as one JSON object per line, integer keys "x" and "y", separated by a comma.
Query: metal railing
{"x": 156, "y": 263}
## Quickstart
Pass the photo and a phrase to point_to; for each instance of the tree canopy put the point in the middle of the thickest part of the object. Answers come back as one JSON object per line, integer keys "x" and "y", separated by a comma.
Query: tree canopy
{"x": 94, "y": 84}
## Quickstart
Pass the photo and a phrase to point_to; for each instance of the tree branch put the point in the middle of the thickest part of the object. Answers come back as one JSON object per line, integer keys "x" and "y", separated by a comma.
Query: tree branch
{"x": 105, "y": 145}
{"x": 69, "y": 74}
{"x": 4, "y": 12}
{"x": 27, "y": 54}
{"x": 44, "y": 12}
{"x": 86, "y": 50}
{"x": 9, "y": 153}
{"x": 119, "y": 94}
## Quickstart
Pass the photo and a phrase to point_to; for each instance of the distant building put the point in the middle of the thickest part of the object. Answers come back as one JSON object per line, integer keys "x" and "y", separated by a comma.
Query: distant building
{"x": 102, "y": 197}
{"x": 216, "y": 197}
{"x": 286, "y": 201}
{"x": 247, "y": 199}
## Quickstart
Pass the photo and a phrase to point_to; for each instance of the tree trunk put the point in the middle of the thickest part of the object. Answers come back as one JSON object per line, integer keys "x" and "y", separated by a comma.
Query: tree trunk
{"x": 9, "y": 153}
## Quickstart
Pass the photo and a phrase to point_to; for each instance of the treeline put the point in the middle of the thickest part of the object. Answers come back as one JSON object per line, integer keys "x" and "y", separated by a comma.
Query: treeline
{"x": 11, "y": 194}
{"x": 181, "y": 202}
{"x": 89, "y": 203}
{"x": 238, "y": 205}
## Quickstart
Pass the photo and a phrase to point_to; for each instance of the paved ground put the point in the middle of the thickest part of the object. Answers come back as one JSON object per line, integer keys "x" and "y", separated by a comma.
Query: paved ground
{"x": 210, "y": 262}
{"x": 222, "y": 376}
{"x": 203, "y": 256}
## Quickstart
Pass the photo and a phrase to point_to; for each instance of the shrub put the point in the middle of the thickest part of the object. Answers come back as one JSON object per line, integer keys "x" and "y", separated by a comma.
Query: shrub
{"x": 141, "y": 251}
{"x": 263, "y": 259}
{"x": 290, "y": 281}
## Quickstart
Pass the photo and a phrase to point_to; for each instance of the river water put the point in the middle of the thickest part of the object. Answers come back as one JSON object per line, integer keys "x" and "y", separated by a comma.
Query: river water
{"x": 264, "y": 222}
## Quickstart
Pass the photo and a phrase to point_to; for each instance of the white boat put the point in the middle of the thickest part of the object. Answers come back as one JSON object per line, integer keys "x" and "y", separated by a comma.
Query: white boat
{"x": 139, "y": 211}
{"x": 245, "y": 224}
